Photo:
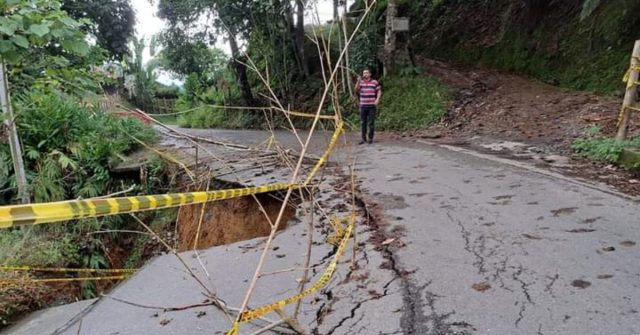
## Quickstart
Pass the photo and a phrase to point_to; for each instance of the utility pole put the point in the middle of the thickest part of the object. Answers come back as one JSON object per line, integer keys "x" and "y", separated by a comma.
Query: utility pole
{"x": 390, "y": 38}
{"x": 12, "y": 134}
{"x": 630, "y": 94}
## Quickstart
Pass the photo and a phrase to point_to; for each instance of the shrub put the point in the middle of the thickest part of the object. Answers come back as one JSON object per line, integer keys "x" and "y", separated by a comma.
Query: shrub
{"x": 599, "y": 148}
{"x": 411, "y": 103}
{"x": 68, "y": 147}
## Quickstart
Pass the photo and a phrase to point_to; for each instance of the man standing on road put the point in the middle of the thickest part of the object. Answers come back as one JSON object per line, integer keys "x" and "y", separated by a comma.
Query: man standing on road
{"x": 370, "y": 93}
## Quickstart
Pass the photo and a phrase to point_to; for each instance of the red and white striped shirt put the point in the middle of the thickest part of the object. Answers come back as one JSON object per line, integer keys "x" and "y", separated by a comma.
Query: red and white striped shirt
{"x": 368, "y": 92}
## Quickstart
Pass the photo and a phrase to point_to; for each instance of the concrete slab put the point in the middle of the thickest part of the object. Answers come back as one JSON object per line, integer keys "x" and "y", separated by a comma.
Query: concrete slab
{"x": 51, "y": 320}
{"x": 343, "y": 306}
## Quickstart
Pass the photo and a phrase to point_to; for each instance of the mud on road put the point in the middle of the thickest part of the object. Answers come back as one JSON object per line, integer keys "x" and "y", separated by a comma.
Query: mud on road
{"x": 493, "y": 107}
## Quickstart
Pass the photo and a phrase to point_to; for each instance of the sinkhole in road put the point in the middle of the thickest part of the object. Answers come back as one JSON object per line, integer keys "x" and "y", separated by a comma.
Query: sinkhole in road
{"x": 232, "y": 220}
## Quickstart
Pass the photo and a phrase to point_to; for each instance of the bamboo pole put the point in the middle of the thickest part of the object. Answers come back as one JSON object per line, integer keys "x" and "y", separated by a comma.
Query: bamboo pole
{"x": 630, "y": 94}
{"x": 346, "y": 56}
{"x": 12, "y": 134}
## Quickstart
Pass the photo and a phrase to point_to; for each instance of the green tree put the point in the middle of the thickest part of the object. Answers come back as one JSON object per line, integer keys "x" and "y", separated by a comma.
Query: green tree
{"x": 227, "y": 18}
{"x": 112, "y": 22}
{"x": 29, "y": 26}
{"x": 32, "y": 30}
{"x": 142, "y": 78}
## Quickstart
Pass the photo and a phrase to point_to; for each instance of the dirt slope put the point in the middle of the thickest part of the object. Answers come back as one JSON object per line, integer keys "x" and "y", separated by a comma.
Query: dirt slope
{"x": 494, "y": 106}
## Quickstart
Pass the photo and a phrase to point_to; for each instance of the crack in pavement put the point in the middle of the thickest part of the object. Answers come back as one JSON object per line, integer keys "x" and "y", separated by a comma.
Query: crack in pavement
{"x": 480, "y": 261}
{"x": 549, "y": 287}
{"x": 352, "y": 313}
{"x": 524, "y": 286}
{"x": 414, "y": 319}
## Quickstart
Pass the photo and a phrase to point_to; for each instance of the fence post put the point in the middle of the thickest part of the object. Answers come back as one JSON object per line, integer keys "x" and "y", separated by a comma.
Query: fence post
{"x": 630, "y": 94}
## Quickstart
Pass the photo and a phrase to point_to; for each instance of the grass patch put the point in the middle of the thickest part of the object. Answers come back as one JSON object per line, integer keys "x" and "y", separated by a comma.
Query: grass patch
{"x": 208, "y": 117}
{"x": 603, "y": 149}
{"x": 410, "y": 103}
{"x": 171, "y": 120}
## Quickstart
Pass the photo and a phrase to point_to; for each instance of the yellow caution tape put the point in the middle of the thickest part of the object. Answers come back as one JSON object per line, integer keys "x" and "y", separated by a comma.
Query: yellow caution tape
{"x": 253, "y": 314}
{"x": 28, "y": 268}
{"x": 338, "y": 228}
{"x": 165, "y": 156}
{"x": 622, "y": 110}
{"x": 312, "y": 116}
{"x": 627, "y": 74}
{"x": 325, "y": 155}
{"x": 60, "y": 280}
{"x": 33, "y": 214}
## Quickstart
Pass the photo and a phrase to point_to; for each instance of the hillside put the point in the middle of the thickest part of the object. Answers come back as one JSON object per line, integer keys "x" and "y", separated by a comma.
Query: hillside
{"x": 578, "y": 44}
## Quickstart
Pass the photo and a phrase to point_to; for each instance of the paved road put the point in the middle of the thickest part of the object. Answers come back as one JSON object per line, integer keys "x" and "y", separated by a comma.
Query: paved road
{"x": 481, "y": 247}
{"x": 493, "y": 249}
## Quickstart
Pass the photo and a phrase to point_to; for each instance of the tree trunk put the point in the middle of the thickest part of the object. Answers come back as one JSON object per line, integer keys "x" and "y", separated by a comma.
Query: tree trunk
{"x": 299, "y": 37}
{"x": 336, "y": 4}
{"x": 390, "y": 38}
{"x": 241, "y": 71}
{"x": 14, "y": 140}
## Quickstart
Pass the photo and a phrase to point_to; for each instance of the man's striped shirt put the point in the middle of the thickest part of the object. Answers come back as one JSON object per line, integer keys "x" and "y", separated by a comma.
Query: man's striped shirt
{"x": 368, "y": 92}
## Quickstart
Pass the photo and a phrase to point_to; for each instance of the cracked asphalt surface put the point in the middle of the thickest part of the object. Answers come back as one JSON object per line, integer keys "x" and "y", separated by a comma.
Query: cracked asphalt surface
{"x": 495, "y": 249}
{"x": 448, "y": 243}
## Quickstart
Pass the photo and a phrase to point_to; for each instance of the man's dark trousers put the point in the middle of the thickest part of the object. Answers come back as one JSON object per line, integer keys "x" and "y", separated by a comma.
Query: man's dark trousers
{"x": 368, "y": 120}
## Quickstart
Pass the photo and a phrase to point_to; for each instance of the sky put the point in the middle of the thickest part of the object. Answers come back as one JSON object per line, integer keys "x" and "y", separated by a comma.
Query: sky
{"x": 148, "y": 24}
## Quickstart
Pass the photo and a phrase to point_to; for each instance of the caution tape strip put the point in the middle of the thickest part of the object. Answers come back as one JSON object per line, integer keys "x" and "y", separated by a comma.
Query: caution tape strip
{"x": 33, "y": 214}
{"x": 311, "y": 116}
{"x": 338, "y": 228}
{"x": 627, "y": 76}
{"x": 165, "y": 156}
{"x": 255, "y": 313}
{"x": 28, "y": 268}
{"x": 60, "y": 280}
{"x": 240, "y": 108}
{"x": 623, "y": 109}
{"x": 325, "y": 155}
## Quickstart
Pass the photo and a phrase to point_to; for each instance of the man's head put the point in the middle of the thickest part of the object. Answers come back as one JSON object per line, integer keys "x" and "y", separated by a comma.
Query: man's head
{"x": 366, "y": 74}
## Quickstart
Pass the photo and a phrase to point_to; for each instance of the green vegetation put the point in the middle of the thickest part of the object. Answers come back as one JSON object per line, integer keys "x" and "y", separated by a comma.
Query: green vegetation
{"x": 167, "y": 119}
{"x": 600, "y": 148}
{"x": 68, "y": 150}
{"x": 578, "y": 47}
{"x": 410, "y": 103}
{"x": 68, "y": 147}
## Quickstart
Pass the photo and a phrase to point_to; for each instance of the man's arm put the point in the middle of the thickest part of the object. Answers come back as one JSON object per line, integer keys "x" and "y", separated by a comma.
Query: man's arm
{"x": 379, "y": 95}
{"x": 358, "y": 85}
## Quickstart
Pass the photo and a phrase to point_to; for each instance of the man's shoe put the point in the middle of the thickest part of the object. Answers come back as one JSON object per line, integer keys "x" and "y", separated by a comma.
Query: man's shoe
{"x": 361, "y": 142}
{"x": 370, "y": 141}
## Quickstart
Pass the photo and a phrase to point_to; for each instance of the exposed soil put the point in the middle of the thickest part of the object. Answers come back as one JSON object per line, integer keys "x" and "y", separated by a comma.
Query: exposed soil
{"x": 493, "y": 106}
{"x": 229, "y": 221}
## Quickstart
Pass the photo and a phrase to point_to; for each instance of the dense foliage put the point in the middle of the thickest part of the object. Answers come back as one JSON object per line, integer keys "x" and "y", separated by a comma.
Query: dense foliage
{"x": 410, "y": 103}
{"x": 578, "y": 44}
{"x": 111, "y": 22}
{"x": 68, "y": 147}
{"x": 45, "y": 48}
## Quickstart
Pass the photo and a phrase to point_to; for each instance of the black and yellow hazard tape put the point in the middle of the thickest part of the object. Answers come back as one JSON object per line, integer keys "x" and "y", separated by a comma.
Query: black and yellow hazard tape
{"x": 311, "y": 116}
{"x": 34, "y": 269}
{"x": 33, "y": 214}
{"x": 325, "y": 155}
{"x": 255, "y": 313}
{"x": 338, "y": 229}
{"x": 60, "y": 280}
